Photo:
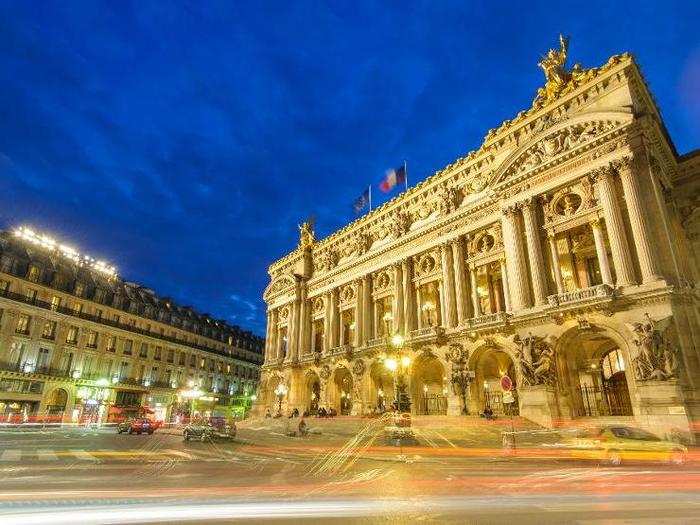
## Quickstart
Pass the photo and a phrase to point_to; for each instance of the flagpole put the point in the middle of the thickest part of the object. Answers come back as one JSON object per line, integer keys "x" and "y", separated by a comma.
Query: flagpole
{"x": 405, "y": 171}
{"x": 370, "y": 197}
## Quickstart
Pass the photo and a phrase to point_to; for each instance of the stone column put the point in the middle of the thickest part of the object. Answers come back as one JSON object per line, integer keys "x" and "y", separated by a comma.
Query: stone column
{"x": 419, "y": 303}
{"x": 515, "y": 259}
{"x": 327, "y": 319}
{"x": 602, "y": 252}
{"x": 268, "y": 337}
{"x": 619, "y": 247}
{"x": 335, "y": 313}
{"x": 534, "y": 249}
{"x": 460, "y": 281}
{"x": 641, "y": 229}
{"x": 358, "y": 314}
{"x": 409, "y": 297}
{"x": 398, "y": 323}
{"x": 292, "y": 331}
{"x": 476, "y": 304}
{"x": 368, "y": 327}
{"x": 448, "y": 285}
{"x": 504, "y": 280}
{"x": 556, "y": 265}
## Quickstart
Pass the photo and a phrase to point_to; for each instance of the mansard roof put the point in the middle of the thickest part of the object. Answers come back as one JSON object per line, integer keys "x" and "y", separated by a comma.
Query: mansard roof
{"x": 22, "y": 254}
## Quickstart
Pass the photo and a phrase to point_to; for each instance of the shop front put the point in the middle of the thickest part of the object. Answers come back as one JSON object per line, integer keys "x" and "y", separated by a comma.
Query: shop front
{"x": 127, "y": 405}
{"x": 19, "y": 400}
{"x": 91, "y": 405}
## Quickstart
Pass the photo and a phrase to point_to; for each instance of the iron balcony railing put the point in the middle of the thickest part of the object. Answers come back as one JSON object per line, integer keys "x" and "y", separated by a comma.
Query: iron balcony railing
{"x": 106, "y": 321}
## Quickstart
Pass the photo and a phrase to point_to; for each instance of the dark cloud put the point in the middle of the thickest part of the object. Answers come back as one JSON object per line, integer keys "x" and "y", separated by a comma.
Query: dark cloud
{"x": 184, "y": 142}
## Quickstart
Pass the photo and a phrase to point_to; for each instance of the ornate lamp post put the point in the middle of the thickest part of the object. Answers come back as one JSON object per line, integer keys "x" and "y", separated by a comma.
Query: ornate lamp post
{"x": 280, "y": 392}
{"x": 461, "y": 376}
{"x": 397, "y": 364}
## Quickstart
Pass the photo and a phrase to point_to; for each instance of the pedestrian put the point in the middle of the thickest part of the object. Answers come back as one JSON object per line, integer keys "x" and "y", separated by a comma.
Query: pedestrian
{"x": 267, "y": 414}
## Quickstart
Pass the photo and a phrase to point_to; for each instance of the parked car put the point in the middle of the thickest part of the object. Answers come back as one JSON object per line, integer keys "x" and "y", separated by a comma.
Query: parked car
{"x": 618, "y": 443}
{"x": 138, "y": 426}
{"x": 204, "y": 431}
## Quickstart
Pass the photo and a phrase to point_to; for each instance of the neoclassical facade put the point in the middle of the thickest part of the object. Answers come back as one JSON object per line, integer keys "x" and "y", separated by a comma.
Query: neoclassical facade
{"x": 80, "y": 344}
{"x": 562, "y": 254}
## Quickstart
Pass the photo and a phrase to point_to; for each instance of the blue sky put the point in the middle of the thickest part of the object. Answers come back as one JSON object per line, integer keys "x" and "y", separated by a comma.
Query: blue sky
{"x": 183, "y": 141}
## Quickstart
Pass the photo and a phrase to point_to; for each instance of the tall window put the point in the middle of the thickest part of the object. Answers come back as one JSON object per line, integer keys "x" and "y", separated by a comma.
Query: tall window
{"x": 158, "y": 353}
{"x": 23, "y": 324}
{"x": 143, "y": 352}
{"x": 42, "y": 359}
{"x": 72, "y": 335}
{"x": 128, "y": 344}
{"x": 33, "y": 274}
{"x": 92, "y": 339}
{"x": 111, "y": 343}
{"x": 55, "y": 302}
{"x": 49, "y": 330}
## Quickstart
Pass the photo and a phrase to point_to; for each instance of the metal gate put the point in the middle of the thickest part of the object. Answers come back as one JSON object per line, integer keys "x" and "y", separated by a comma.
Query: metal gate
{"x": 432, "y": 405}
{"x": 609, "y": 400}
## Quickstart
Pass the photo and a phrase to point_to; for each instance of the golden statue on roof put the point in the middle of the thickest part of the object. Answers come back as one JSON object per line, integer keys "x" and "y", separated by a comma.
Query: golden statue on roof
{"x": 307, "y": 238}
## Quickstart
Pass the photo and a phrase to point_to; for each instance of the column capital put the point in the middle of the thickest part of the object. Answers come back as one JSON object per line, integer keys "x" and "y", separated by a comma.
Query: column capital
{"x": 602, "y": 172}
{"x": 623, "y": 164}
{"x": 529, "y": 202}
{"x": 511, "y": 209}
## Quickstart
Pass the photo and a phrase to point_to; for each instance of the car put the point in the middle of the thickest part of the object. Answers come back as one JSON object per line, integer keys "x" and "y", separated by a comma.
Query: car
{"x": 204, "y": 431}
{"x": 617, "y": 443}
{"x": 137, "y": 426}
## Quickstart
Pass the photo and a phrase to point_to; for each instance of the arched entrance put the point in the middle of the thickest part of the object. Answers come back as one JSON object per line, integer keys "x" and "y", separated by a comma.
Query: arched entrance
{"x": 312, "y": 392}
{"x": 381, "y": 392}
{"x": 428, "y": 386}
{"x": 56, "y": 406}
{"x": 340, "y": 397}
{"x": 272, "y": 400}
{"x": 490, "y": 365}
{"x": 594, "y": 370}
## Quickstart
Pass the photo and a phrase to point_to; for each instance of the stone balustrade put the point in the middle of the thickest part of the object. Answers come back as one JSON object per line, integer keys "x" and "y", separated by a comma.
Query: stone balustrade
{"x": 601, "y": 291}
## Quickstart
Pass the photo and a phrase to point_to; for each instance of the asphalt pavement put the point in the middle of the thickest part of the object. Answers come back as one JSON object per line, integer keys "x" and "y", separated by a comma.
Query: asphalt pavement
{"x": 96, "y": 476}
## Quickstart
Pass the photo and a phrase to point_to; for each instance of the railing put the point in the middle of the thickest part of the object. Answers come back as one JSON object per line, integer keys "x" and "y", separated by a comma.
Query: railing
{"x": 426, "y": 332}
{"x": 600, "y": 291}
{"x": 105, "y": 321}
{"x": 488, "y": 319}
{"x": 377, "y": 341}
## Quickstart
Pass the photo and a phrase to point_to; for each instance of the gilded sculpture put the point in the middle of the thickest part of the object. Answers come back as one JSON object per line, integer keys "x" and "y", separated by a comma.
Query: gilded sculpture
{"x": 307, "y": 238}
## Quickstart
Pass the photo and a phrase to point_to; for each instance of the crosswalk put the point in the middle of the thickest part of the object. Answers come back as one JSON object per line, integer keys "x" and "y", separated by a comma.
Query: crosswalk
{"x": 14, "y": 455}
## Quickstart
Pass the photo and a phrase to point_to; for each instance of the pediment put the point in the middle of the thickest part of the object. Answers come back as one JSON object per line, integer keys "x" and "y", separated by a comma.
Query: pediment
{"x": 563, "y": 138}
{"x": 278, "y": 285}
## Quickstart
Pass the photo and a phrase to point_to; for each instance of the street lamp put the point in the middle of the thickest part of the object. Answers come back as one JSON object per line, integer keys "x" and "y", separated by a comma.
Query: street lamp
{"x": 280, "y": 391}
{"x": 397, "y": 364}
{"x": 191, "y": 394}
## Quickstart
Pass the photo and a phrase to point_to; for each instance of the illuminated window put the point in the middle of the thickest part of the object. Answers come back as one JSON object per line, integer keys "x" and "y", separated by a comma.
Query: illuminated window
{"x": 72, "y": 335}
{"x": 49, "y": 330}
{"x": 23, "y": 324}
{"x": 79, "y": 289}
{"x": 111, "y": 343}
{"x": 92, "y": 339}
{"x": 55, "y": 302}
{"x": 33, "y": 274}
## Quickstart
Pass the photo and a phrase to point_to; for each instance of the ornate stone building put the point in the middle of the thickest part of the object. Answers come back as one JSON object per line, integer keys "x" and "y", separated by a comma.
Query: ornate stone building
{"x": 77, "y": 343}
{"x": 562, "y": 253}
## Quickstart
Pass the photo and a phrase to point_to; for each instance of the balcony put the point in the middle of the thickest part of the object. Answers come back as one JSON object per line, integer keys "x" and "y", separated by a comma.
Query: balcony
{"x": 426, "y": 334}
{"x": 598, "y": 293}
{"x": 21, "y": 298}
{"x": 377, "y": 341}
{"x": 488, "y": 320}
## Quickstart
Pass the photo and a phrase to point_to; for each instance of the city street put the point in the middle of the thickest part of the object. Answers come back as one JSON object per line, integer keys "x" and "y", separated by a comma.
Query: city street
{"x": 60, "y": 476}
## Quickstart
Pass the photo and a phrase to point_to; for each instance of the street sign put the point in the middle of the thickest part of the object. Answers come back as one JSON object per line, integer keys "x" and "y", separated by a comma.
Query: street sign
{"x": 508, "y": 397}
{"x": 506, "y": 384}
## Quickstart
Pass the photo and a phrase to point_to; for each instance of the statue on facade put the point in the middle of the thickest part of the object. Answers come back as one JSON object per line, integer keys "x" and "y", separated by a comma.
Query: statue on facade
{"x": 307, "y": 237}
{"x": 460, "y": 376}
{"x": 558, "y": 79}
{"x": 656, "y": 351}
{"x": 536, "y": 357}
